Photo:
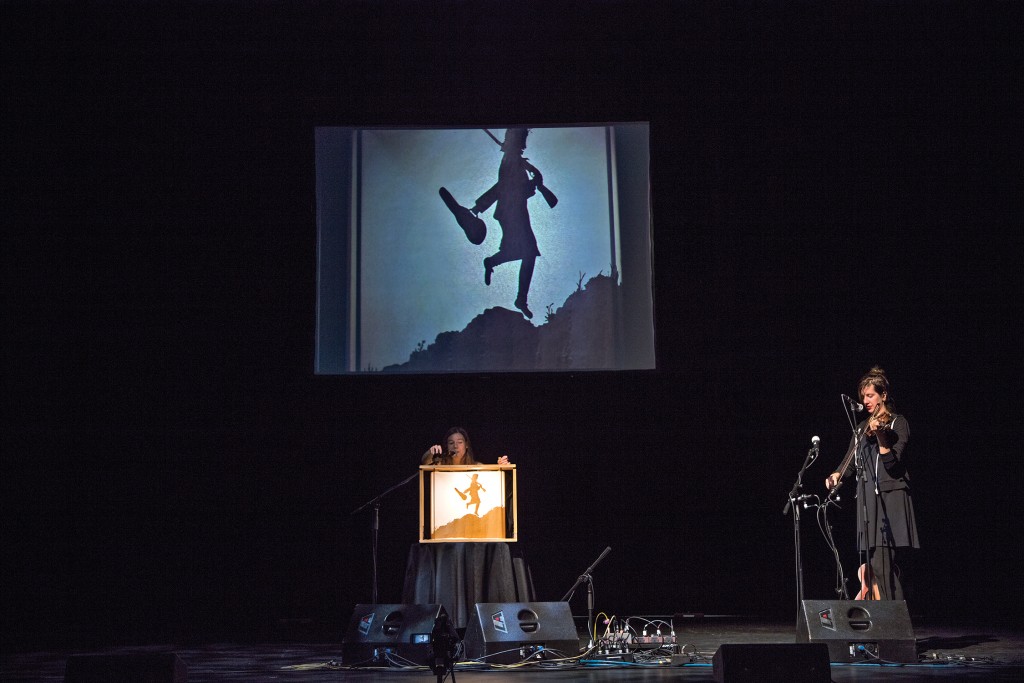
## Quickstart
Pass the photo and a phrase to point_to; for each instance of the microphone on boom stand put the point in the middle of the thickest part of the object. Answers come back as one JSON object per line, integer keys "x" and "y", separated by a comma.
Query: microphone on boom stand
{"x": 854, "y": 406}
{"x": 438, "y": 457}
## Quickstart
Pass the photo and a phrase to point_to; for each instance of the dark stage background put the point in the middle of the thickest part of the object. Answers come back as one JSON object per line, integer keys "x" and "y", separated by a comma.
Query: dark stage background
{"x": 834, "y": 186}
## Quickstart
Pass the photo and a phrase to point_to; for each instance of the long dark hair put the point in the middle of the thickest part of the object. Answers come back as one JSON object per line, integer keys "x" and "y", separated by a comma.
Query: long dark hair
{"x": 470, "y": 457}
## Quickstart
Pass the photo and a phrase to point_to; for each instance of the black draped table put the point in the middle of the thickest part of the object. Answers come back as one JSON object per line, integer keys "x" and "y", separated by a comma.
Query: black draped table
{"x": 459, "y": 575}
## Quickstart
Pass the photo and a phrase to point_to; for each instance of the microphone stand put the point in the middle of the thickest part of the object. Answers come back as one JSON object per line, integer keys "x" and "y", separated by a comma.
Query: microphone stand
{"x": 860, "y": 472}
{"x": 586, "y": 577}
{"x": 794, "y": 502}
{"x": 863, "y": 554}
{"x": 375, "y": 524}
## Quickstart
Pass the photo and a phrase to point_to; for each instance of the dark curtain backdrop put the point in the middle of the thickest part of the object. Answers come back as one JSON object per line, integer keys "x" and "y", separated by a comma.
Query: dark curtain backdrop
{"x": 833, "y": 187}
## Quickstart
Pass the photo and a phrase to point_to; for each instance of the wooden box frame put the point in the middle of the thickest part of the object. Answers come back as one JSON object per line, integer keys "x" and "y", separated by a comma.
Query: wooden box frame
{"x": 441, "y": 518}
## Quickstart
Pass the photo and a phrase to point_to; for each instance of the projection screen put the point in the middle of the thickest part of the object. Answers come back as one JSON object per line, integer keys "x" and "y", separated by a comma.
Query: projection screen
{"x": 512, "y": 248}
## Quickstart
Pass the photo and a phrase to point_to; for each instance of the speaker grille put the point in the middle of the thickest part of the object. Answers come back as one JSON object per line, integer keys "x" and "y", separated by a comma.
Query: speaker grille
{"x": 771, "y": 663}
{"x": 511, "y": 632}
{"x": 859, "y": 630}
{"x": 383, "y": 634}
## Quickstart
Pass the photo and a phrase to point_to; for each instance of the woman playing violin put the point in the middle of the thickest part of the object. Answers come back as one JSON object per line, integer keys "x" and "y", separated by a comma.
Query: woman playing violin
{"x": 885, "y": 511}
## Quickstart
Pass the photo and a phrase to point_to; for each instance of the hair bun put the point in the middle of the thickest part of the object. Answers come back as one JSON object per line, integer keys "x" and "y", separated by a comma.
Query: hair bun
{"x": 876, "y": 377}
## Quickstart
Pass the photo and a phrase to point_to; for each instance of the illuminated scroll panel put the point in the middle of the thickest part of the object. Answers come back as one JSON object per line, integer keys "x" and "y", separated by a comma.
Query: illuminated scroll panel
{"x": 461, "y": 503}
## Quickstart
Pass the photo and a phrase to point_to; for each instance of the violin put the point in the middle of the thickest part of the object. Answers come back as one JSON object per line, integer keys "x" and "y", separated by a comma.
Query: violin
{"x": 878, "y": 424}
{"x": 868, "y": 585}
{"x": 880, "y": 420}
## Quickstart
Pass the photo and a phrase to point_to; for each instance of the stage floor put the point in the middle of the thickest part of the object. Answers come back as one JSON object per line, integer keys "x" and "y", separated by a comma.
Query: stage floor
{"x": 946, "y": 654}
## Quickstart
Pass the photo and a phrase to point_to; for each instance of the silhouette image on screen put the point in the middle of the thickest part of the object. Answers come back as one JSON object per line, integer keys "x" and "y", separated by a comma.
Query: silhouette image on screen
{"x": 399, "y": 272}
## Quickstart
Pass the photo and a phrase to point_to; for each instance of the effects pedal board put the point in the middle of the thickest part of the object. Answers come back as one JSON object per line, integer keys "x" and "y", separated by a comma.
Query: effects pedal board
{"x": 612, "y": 656}
{"x": 667, "y": 643}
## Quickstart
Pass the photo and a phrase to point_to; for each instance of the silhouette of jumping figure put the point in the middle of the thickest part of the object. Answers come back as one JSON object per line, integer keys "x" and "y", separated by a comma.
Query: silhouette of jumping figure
{"x": 473, "y": 492}
{"x": 518, "y": 180}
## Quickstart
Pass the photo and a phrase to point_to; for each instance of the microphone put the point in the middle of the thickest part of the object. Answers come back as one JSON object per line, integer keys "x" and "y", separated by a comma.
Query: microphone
{"x": 815, "y": 441}
{"x": 854, "y": 406}
{"x": 793, "y": 501}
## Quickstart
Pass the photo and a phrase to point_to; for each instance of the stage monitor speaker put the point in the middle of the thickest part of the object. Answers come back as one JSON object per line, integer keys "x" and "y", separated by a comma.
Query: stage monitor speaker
{"x": 385, "y": 634}
{"x": 148, "y": 667}
{"x": 859, "y": 630}
{"x": 771, "y": 663}
{"x": 511, "y": 632}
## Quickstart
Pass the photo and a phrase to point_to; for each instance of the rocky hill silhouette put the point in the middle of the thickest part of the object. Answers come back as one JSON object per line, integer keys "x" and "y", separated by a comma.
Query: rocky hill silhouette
{"x": 582, "y": 334}
{"x": 489, "y": 525}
